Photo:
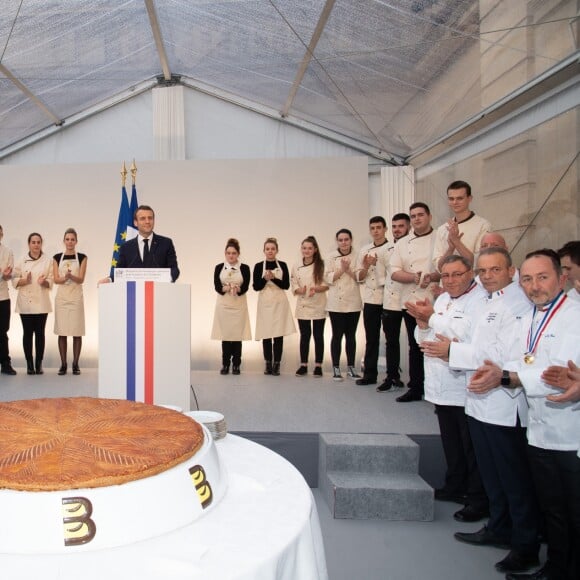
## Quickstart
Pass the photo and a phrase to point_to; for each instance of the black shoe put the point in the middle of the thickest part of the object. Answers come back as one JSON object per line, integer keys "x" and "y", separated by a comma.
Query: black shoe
{"x": 62, "y": 369}
{"x": 235, "y": 370}
{"x": 470, "y": 514}
{"x": 276, "y": 369}
{"x": 39, "y": 370}
{"x": 317, "y": 372}
{"x": 443, "y": 494}
{"x": 30, "y": 368}
{"x": 541, "y": 574}
{"x": 225, "y": 370}
{"x": 388, "y": 384}
{"x": 408, "y": 397}
{"x": 7, "y": 369}
{"x": 482, "y": 537}
{"x": 76, "y": 370}
{"x": 517, "y": 561}
{"x": 302, "y": 371}
{"x": 366, "y": 381}
{"x": 268, "y": 369}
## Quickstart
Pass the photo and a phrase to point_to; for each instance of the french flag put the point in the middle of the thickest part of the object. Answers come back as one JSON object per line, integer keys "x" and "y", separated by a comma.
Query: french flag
{"x": 140, "y": 342}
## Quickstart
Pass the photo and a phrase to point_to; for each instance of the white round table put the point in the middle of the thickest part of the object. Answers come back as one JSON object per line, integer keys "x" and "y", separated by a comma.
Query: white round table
{"x": 265, "y": 528}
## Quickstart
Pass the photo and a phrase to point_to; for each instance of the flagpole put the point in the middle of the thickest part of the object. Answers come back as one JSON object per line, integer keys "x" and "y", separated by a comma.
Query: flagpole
{"x": 124, "y": 174}
{"x": 133, "y": 171}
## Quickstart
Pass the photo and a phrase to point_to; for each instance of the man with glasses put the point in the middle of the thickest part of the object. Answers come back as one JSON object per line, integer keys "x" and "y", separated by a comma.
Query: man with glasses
{"x": 497, "y": 419}
{"x": 446, "y": 388}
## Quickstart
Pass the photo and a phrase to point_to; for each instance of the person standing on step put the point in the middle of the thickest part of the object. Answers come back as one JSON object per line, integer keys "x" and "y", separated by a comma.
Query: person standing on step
{"x": 307, "y": 280}
{"x": 446, "y": 388}
{"x": 231, "y": 321}
{"x": 33, "y": 278}
{"x": 6, "y": 268}
{"x": 273, "y": 316}
{"x": 343, "y": 303}
{"x": 392, "y": 309}
{"x": 411, "y": 266}
{"x": 462, "y": 233}
{"x": 372, "y": 271}
{"x": 69, "y": 270}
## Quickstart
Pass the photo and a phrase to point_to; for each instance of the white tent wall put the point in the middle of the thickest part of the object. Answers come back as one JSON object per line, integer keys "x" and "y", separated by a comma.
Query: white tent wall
{"x": 199, "y": 204}
{"x": 214, "y": 129}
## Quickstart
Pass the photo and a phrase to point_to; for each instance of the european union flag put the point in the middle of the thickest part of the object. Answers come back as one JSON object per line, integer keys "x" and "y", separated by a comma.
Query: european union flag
{"x": 125, "y": 229}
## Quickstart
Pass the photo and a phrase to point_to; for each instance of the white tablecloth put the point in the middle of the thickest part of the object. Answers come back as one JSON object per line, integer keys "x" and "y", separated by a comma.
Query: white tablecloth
{"x": 265, "y": 528}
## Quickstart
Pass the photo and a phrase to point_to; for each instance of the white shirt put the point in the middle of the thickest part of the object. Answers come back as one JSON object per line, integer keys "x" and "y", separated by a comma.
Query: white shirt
{"x": 141, "y": 242}
{"x": 452, "y": 318}
{"x": 343, "y": 293}
{"x": 550, "y": 425}
{"x": 6, "y": 261}
{"x": 473, "y": 229}
{"x": 494, "y": 336}
{"x": 413, "y": 254}
{"x": 374, "y": 281}
{"x": 392, "y": 290}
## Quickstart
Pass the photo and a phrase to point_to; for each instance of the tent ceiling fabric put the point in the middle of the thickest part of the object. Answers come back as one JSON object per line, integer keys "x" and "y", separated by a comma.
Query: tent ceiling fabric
{"x": 394, "y": 75}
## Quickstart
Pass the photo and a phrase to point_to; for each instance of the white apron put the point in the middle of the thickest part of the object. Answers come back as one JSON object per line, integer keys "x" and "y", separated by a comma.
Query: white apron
{"x": 69, "y": 310}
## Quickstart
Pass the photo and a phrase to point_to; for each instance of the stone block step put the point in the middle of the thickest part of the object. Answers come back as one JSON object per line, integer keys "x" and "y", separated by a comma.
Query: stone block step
{"x": 400, "y": 497}
{"x": 368, "y": 453}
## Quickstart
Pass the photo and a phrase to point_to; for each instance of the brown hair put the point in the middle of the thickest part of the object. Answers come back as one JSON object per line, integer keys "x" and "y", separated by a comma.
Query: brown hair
{"x": 271, "y": 241}
{"x": 318, "y": 261}
{"x": 233, "y": 243}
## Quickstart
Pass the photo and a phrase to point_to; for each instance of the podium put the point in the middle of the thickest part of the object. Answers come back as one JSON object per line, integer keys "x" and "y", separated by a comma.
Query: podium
{"x": 145, "y": 342}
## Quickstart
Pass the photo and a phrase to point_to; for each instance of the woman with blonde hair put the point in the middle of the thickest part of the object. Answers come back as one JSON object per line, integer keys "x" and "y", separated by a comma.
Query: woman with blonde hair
{"x": 273, "y": 316}
{"x": 231, "y": 322}
{"x": 69, "y": 270}
{"x": 308, "y": 286}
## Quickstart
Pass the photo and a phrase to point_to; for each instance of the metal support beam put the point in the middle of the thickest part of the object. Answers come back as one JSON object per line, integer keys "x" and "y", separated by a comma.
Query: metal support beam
{"x": 156, "y": 30}
{"x": 30, "y": 95}
{"x": 308, "y": 55}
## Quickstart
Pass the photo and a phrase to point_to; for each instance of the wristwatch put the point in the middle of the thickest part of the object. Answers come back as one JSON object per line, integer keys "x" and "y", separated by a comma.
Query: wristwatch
{"x": 505, "y": 379}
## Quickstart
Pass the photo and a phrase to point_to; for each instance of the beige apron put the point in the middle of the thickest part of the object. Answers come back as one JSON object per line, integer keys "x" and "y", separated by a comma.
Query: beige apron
{"x": 231, "y": 320}
{"x": 273, "y": 317}
{"x": 69, "y": 310}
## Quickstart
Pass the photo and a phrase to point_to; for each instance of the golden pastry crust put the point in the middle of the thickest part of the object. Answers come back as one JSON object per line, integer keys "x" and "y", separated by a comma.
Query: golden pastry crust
{"x": 82, "y": 442}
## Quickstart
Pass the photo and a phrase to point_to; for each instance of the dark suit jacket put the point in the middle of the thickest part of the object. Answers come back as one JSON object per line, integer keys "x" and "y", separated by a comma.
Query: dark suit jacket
{"x": 161, "y": 255}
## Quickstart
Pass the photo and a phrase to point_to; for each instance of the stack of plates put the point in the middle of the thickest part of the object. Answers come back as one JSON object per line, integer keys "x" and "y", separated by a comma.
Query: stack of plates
{"x": 214, "y": 421}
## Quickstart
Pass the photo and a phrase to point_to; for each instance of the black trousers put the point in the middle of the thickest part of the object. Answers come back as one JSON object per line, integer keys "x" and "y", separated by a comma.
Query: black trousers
{"x": 556, "y": 476}
{"x": 503, "y": 464}
{"x": 343, "y": 324}
{"x": 4, "y": 328}
{"x": 392, "y": 324}
{"x": 272, "y": 348}
{"x": 307, "y": 329}
{"x": 372, "y": 319}
{"x": 232, "y": 350}
{"x": 462, "y": 475}
{"x": 33, "y": 326}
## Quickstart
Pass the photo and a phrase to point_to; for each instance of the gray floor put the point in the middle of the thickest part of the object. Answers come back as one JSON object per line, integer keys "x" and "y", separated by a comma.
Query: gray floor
{"x": 355, "y": 549}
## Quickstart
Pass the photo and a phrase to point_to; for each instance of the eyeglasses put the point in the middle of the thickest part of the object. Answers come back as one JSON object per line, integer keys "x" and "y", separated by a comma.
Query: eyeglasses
{"x": 453, "y": 275}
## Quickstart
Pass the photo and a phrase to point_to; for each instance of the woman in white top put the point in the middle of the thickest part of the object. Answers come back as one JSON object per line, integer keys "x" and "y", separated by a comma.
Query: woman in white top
{"x": 69, "y": 269}
{"x": 231, "y": 321}
{"x": 33, "y": 278}
{"x": 273, "y": 317}
{"x": 308, "y": 286}
{"x": 344, "y": 302}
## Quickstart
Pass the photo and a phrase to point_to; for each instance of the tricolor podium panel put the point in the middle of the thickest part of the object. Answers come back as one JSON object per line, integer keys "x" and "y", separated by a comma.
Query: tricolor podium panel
{"x": 145, "y": 342}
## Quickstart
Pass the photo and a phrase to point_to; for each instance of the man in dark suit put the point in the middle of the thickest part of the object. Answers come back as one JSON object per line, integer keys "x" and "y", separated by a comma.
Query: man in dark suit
{"x": 148, "y": 249}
